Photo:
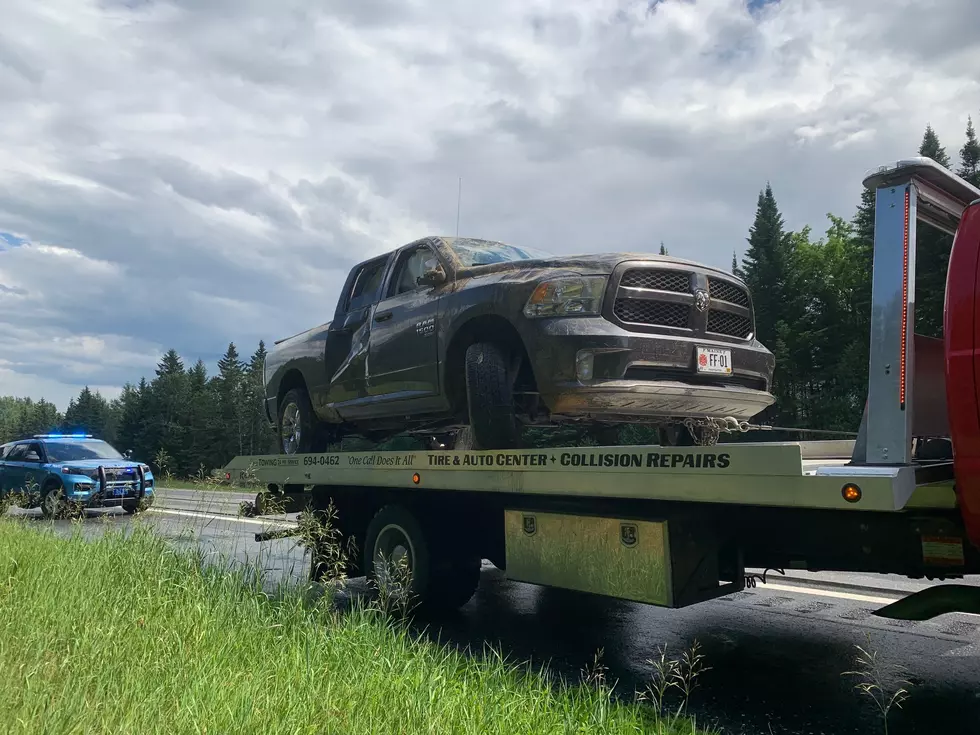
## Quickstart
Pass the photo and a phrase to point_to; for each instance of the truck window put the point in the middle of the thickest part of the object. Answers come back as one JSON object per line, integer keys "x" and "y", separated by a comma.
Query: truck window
{"x": 366, "y": 285}
{"x": 410, "y": 267}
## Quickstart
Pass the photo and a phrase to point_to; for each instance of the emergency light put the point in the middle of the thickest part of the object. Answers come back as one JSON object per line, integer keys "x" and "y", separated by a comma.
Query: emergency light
{"x": 62, "y": 436}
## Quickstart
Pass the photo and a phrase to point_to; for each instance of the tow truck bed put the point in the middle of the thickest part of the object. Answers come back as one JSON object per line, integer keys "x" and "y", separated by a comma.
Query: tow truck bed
{"x": 789, "y": 475}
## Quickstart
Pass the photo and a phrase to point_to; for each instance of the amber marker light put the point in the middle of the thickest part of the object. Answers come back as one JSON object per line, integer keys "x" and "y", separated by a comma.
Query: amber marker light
{"x": 851, "y": 492}
{"x": 416, "y": 478}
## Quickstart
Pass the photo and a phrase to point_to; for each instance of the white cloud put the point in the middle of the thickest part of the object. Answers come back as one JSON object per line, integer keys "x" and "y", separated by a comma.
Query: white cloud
{"x": 190, "y": 173}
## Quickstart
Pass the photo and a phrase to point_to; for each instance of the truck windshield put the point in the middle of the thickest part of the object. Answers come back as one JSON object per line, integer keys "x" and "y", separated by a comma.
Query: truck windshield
{"x": 76, "y": 451}
{"x": 484, "y": 252}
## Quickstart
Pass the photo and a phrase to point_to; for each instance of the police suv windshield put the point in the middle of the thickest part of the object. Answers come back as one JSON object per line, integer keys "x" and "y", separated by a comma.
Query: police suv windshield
{"x": 76, "y": 451}
{"x": 484, "y": 252}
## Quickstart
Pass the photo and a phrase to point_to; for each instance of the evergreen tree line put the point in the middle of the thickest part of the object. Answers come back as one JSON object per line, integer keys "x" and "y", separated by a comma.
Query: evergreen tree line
{"x": 182, "y": 420}
{"x": 812, "y": 298}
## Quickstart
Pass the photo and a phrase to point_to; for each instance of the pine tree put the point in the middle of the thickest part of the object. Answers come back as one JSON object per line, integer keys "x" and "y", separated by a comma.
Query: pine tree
{"x": 261, "y": 435}
{"x": 932, "y": 256}
{"x": 766, "y": 268}
{"x": 736, "y": 271}
{"x": 663, "y": 248}
{"x": 970, "y": 156}
{"x": 230, "y": 385}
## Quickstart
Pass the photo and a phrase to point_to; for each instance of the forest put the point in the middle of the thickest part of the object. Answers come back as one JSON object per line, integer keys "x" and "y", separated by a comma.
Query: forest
{"x": 812, "y": 297}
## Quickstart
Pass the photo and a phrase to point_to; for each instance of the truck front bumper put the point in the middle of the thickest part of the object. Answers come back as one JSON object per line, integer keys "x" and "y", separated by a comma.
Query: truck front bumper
{"x": 642, "y": 375}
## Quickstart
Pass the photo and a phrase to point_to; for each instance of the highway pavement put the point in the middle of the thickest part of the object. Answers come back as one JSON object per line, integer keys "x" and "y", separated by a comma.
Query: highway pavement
{"x": 777, "y": 653}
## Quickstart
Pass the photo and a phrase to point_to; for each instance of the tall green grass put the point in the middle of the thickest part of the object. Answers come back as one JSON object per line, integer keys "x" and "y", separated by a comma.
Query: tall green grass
{"x": 123, "y": 634}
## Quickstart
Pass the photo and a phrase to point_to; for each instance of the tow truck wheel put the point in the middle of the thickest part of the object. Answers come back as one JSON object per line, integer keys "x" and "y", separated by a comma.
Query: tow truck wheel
{"x": 53, "y": 504}
{"x": 297, "y": 424}
{"x": 490, "y": 397}
{"x": 397, "y": 550}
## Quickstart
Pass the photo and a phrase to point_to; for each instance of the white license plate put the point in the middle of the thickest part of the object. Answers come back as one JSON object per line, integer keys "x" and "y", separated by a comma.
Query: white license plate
{"x": 714, "y": 360}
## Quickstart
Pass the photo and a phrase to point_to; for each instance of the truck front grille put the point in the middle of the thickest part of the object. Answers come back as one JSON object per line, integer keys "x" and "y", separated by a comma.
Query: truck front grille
{"x": 657, "y": 280}
{"x": 648, "y": 297}
{"x": 654, "y": 313}
{"x": 733, "y": 325}
{"x": 725, "y": 291}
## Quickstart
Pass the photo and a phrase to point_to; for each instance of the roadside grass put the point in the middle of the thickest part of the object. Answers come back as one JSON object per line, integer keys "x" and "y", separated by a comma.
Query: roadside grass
{"x": 125, "y": 634}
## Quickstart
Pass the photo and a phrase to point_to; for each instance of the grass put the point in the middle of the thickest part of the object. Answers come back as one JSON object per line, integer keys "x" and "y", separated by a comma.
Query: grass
{"x": 123, "y": 634}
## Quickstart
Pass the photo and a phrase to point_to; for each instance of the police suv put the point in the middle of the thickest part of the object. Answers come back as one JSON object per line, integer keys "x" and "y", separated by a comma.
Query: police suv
{"x": 54, "y": 471}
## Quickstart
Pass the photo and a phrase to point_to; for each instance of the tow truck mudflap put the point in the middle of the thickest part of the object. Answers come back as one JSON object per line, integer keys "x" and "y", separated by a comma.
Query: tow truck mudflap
{"x": 665, "y": 563}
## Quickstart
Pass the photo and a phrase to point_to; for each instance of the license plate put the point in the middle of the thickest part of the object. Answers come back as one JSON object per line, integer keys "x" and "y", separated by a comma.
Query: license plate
{"x": 714, "y": 360}
{"x": 119, "y": 491}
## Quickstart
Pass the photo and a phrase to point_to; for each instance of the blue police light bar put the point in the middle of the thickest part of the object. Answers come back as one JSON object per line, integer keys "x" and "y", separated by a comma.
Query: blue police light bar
{"x": 62, "y": 436}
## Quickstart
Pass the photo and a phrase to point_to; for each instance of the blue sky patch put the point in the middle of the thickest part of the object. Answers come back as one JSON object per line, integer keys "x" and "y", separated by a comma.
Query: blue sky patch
{"x": 8, "y": 241}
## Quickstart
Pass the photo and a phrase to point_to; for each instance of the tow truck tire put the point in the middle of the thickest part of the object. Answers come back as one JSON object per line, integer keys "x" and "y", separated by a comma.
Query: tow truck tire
{"x": 53, "y": 504}
{"x": 440, "y": 581}
{"x": 490, "y": 397}
{"x": 296, "y": 410}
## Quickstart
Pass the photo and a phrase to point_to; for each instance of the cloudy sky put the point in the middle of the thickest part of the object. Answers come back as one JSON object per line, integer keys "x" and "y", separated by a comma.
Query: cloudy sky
{"x": 194, "y": 172}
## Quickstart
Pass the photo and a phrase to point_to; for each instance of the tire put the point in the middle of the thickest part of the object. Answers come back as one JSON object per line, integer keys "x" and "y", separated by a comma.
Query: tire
{"x": 490, "y": 397}
{"x": 463, "y": 441}
{"x": 53, "y": 504}
{"x": 132, "y": 509}
{"x": 440, "y": 581}
{"x": 298, "y": 429}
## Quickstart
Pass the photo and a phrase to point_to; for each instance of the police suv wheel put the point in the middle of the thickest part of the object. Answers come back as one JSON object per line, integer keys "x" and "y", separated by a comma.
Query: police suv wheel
{"x": 53, "y": 503}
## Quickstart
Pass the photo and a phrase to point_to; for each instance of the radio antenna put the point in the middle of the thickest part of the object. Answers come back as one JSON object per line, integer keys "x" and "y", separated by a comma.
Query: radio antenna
{"x": 459, "y": 196}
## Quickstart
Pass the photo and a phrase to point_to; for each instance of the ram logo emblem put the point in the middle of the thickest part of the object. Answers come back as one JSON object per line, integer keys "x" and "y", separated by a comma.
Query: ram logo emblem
{"x": 700, "y": 299}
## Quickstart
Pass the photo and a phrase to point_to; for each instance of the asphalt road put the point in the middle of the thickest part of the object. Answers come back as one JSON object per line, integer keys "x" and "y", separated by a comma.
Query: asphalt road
{"x": 776, "y": 653}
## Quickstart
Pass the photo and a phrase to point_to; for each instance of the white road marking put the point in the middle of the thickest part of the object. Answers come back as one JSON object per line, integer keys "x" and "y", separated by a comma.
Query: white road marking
{"x": 828, "y": 593}
{"x": 234, "y": 519}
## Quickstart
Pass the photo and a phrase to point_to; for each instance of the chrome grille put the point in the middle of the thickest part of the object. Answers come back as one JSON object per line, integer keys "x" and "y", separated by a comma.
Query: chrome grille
{"x": 725, "y": 291}
{"x": 658, "y": 313}
{"x": 659, "y": 280}
{"x": 724, "y": 322}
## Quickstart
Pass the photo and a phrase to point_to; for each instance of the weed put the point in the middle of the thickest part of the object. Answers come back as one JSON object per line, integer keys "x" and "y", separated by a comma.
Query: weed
{"x": 884, "y": 684}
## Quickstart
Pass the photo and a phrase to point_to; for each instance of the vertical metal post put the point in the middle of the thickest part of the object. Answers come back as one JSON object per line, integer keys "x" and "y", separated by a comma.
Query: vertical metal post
{"x": 889, "y": 420}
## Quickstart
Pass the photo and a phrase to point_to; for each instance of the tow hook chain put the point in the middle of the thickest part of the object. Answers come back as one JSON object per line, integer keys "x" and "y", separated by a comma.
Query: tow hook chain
{"x": 712, "y": 428}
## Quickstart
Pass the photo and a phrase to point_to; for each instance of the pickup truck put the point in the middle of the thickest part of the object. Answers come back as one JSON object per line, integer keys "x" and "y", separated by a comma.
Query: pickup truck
{"x": 448, "y": 334}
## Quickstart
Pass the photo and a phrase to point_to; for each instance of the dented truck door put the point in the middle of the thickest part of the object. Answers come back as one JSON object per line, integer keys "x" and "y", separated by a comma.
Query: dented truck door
{"x": 403, "y": 353}
{"x": 346, "y": 348}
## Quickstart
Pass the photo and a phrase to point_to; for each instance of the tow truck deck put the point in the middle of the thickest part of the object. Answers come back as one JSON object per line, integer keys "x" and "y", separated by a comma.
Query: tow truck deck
{"x": 674, "y": 526}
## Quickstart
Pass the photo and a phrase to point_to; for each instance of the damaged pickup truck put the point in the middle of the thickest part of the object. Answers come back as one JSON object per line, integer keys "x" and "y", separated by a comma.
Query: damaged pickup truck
{"x": 448, "y": 333}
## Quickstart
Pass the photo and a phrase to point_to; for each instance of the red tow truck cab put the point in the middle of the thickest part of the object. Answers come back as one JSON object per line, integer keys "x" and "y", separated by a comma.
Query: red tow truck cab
{"x": 962, "y": 345}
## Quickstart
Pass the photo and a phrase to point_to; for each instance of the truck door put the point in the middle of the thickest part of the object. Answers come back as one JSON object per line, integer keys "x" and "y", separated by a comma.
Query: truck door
{"x": 403, "y": 358}
{"x": 346, "y": 346}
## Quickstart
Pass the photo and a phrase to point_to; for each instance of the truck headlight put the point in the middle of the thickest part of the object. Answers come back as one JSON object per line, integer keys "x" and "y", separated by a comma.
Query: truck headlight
{"x": 577, "y": 296}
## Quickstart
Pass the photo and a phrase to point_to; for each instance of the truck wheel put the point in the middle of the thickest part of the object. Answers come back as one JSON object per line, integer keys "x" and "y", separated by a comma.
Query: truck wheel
{"x": 298, "y": 430}
{"x": 490, "y": 398}
{"x": 438, "y": 582}
{"x": 463, "y": 441}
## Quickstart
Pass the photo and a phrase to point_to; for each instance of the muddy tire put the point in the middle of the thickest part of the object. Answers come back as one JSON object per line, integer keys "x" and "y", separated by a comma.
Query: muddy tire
{"x": 490, "y": 398}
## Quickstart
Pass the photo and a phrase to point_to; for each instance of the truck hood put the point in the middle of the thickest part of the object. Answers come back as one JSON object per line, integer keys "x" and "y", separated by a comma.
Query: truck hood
{"x": 589, "y": 264}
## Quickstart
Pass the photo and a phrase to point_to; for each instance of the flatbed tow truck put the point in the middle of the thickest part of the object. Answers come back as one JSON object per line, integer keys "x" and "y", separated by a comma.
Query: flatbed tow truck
{"x": 674, "y": 526}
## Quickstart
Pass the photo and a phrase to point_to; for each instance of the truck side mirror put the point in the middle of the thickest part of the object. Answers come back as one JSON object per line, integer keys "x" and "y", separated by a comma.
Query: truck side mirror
{"x": 433, "y": 274}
